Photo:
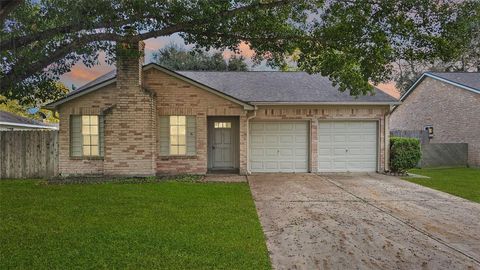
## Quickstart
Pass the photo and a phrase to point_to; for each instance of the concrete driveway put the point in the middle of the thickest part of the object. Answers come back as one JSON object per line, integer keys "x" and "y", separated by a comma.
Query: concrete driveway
{"x": 364, "y": 221}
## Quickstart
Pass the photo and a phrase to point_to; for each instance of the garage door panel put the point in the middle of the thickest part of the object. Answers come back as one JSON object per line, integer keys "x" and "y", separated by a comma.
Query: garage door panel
{"x": 283, "y": 147}
{"x": 285, "y": 153}
{"x": 258, "y": 152}
{"x": 270, "y": 152}
{"x": 286, "y": 126}
{"x": 257, "y": 127}
{"x": 347, "y": 146}
{"x": 286, "y": 139}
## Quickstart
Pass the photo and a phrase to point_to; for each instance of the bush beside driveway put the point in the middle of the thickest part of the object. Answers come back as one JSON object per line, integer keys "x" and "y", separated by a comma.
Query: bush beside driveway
{"x": 166, "y": 225}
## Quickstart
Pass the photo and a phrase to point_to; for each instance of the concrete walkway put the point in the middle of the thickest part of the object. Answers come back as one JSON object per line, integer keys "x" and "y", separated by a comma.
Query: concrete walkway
{"x": 364, "y": 221}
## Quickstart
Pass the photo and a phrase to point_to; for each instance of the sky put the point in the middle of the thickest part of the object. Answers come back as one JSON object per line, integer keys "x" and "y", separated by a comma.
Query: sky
{"x": 80, "y": 74}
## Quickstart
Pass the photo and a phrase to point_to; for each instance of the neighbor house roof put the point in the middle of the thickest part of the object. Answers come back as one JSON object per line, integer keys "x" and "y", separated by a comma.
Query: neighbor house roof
{"x": 469, "y": 81}
{"x": 257, "y": 87}
{"x": 13, "y": 120}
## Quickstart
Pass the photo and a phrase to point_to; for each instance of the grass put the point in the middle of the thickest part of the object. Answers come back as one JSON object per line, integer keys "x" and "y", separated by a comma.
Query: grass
{"x": 462, "y": 182}
{"x": 167, "y": 225}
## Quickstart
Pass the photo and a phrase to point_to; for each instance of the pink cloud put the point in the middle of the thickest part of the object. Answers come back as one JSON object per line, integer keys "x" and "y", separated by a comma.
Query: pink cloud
{"x": 390, "y": 89}
{"x": 245, "y": 51}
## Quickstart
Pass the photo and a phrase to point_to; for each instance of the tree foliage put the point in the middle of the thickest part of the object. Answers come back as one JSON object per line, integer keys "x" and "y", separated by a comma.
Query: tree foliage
{"x": 351, "y": 42}
{"x": 20, "y": 107}
{"x": 466, "y": 59}
{"x": 174, "y": 57}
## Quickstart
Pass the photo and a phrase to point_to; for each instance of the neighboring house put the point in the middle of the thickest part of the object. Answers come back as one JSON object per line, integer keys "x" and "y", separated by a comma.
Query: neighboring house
{"x": 10, "y": 121}
{"x": 147, "y": 120}
{"x": 446, "y": 103}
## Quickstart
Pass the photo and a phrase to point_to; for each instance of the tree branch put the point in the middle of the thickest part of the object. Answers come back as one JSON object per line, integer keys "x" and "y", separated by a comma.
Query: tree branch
{"x": 14, "y": 76}
{"x": 6, "y": 7}
{"x": 19, "y": 42}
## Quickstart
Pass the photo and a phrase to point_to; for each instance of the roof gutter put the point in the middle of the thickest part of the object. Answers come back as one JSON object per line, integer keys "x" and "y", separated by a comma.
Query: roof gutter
{"x": 27, "y": 125}
{"x": 248, "y": 137}
{"x": 323, "y": 103}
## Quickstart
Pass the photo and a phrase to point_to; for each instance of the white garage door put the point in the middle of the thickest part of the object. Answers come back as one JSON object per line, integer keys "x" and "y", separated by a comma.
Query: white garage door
{"x": 278, "y": 147}
{"x": 347, "y": 146}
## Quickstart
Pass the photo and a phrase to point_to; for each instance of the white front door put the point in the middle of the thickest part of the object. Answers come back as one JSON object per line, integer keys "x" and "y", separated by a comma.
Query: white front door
{"x": 347, "y": 146}
{"x": 278, "y": 146}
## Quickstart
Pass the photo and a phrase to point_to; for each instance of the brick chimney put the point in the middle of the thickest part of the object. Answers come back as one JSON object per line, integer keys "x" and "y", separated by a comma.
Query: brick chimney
{"x": 130, "y": 58}
{"x": 129, "y": 128}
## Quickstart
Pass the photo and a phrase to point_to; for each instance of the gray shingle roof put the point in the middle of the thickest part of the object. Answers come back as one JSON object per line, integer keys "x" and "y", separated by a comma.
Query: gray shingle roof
{"x": 267, "y": 86}
{"x": 105, "y": 77}
{"x": 470, "y": 79}
{"x": 274, "y": 86}
{"x": 17, "y": 119}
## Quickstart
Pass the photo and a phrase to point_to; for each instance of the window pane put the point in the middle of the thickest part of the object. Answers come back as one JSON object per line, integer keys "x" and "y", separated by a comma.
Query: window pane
{"x": 86, "y": 151}
{"x": 93, "y": 120}
{"x": 86, "y": 140}
{"x": 94, "y": 130}
{"x": 94, "y": 150}
{"x": 173, "y": 150}
{"x": 181, "y": 130}
{"x": 182, "y": 150}
{"x": 173, "y": 130}
{"x": 85, "y": 130}
{"x": 173, "y": 120}
{"x": 94, "y": 140}
{"x": 228, "y": 125}
{"x": 216, "y": 124}
{"x": 181, "y": 139}
{"x": 174, "y": 139}
{"x": 85, "y": 120}
{"x": 181, "y": 120}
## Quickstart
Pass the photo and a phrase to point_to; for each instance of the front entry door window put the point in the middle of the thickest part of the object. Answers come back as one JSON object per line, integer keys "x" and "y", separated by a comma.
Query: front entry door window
{"x": 223, "y": 145}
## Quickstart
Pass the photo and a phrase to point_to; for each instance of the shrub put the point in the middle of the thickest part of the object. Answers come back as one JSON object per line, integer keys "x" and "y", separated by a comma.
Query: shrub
{"x": 405, "y": 153}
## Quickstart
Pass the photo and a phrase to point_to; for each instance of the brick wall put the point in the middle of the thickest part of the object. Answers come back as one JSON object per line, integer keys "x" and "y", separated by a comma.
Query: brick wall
{"x": 453, "y": 112}
{"x": 177, "y": 97}
{"x": 94, "y": 103}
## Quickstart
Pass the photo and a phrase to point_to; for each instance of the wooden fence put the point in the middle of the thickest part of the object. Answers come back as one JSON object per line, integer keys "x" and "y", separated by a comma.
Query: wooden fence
{"x": 28, "y": 154}
{"x": 421, "y": 135}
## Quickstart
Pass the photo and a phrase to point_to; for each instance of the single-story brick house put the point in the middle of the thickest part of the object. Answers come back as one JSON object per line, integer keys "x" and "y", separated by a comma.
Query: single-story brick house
{"x": 447, "y": 104}
{"x": 149, "y": 120}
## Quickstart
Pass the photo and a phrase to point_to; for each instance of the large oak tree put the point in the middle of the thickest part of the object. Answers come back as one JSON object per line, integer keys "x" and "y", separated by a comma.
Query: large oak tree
{"x": 353, "y": 42}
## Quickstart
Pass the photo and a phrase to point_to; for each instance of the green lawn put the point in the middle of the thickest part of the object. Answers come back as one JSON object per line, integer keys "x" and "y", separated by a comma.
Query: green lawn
{"x": 167, "y": 225}
{"x": 462, "y": 182}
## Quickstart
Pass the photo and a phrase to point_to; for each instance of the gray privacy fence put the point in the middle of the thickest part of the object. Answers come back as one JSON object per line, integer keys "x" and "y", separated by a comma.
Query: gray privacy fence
{"x": 28, "y": 154}
{"x": 436, "y": 154}
{"x": 444, "y": 154}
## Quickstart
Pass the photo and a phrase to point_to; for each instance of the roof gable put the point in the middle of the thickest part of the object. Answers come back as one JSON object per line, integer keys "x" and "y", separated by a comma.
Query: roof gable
{"x": 111, "y": 77}
{"x": 469, "y": 81}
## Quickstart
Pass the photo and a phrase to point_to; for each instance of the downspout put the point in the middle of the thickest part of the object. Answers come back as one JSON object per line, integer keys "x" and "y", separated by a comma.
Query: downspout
{"x": 248, "y": 137}
{"x": 386, "y": 119}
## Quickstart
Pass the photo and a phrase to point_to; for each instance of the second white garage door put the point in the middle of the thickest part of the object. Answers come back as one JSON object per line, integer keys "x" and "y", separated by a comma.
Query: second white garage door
{"x": 347, "y": 146}
{"x": 278, "y": 147}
